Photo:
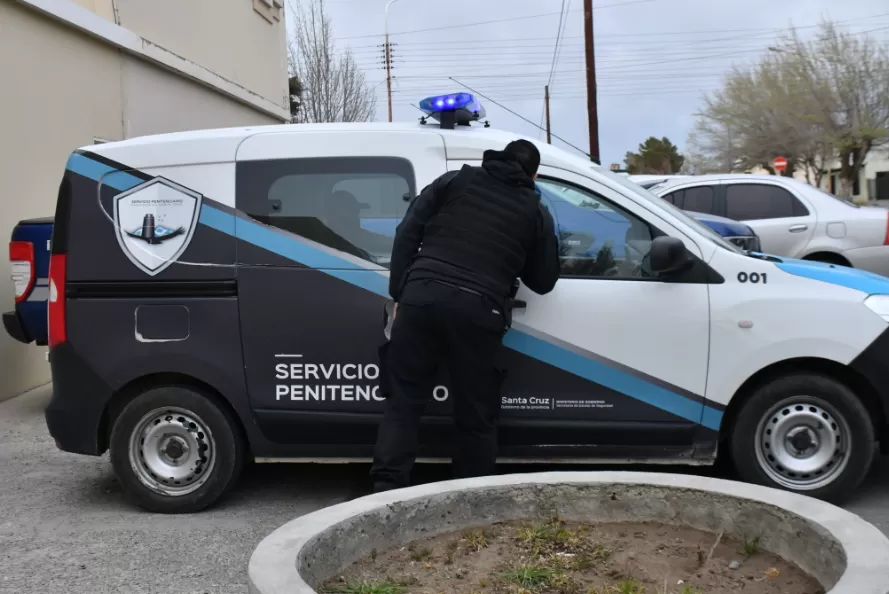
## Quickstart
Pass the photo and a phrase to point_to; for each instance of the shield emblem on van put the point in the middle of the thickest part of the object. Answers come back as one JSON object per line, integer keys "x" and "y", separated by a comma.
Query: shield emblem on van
{"x": 154, "y": 223}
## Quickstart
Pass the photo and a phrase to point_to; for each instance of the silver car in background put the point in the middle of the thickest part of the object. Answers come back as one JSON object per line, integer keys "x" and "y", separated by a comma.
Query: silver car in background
{"x": 649, "y": 180}
{"x": 792, "y": 218}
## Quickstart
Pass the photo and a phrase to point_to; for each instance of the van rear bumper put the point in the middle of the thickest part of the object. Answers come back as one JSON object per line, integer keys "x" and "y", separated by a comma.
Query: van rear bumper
{"x": 77, "y": 408}
{"x": 14, "y": 327}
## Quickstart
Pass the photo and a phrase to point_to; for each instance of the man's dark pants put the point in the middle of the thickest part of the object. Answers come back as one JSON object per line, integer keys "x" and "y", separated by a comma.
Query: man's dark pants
{"x": 437, "y": 324}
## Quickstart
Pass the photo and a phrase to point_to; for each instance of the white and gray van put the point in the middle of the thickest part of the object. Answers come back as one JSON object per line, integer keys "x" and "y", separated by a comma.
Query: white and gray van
{"x": 218, "y": 296}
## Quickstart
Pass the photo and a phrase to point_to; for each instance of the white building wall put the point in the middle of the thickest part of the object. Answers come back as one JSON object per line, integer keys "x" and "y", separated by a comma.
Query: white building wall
{"x": 70, "y": 75}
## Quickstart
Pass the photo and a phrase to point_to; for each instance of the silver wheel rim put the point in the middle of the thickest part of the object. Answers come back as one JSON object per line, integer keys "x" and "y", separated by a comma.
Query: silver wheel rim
{"x": 803, "y": 443}
{"x": 172, "y": 451}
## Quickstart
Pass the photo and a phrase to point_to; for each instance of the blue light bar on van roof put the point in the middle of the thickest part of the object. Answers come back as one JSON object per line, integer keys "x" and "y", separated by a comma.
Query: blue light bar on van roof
{"x": 450, "y": 102}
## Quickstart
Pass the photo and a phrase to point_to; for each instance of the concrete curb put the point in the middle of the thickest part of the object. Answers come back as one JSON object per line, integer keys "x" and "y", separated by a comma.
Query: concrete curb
{"x": 845, "y": 553}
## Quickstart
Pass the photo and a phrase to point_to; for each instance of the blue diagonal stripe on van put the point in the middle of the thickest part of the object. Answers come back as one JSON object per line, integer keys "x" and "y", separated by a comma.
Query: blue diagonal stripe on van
{"x": 609, "y": 377}
{"x": 292, "y": 248}
{"x": 105, "y": 174}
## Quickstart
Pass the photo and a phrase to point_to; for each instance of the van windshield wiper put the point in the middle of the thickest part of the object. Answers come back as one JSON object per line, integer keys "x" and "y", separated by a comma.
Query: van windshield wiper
{"x": 761, "y": 256}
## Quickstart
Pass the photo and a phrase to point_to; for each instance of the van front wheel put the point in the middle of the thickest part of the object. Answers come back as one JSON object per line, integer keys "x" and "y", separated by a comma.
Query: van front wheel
{"x": 175, "y": 451}
{"x": 806, "y": 433}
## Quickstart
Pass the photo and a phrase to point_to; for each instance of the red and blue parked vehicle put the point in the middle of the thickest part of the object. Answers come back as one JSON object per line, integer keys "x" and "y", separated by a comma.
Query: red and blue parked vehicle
{"x": 29, "y": 263}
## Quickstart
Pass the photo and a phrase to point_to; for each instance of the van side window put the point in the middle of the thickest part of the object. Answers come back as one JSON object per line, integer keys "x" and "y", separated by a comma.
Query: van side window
{"x": 352, "y": 205}
{"x": 751, "y": 202}
{"x": 598, "y": 239}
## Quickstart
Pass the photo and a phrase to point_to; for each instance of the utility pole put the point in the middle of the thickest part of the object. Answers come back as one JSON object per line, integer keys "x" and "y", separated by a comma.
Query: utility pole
{"x": 389, "y": 77}
{"x": 592, "y": 103}
{"x": 549, "y": 139}
{"x": 388, "y": 58}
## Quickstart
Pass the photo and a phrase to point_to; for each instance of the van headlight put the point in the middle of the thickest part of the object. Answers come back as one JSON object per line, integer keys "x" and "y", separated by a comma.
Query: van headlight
{"x": 879, "y": 304}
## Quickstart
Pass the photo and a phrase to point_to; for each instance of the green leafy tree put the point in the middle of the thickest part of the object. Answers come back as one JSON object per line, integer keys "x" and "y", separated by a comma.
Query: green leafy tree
{"x": 296, "y": 94}
{"x": 655, "y": 156}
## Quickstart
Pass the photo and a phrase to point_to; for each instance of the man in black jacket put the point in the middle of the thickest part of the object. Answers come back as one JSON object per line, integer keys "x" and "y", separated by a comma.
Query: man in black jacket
{"x": 457, "y": 254}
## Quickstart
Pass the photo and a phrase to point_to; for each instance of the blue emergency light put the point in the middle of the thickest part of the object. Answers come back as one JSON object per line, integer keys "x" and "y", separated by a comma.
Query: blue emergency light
{"x": 453, "y": 109}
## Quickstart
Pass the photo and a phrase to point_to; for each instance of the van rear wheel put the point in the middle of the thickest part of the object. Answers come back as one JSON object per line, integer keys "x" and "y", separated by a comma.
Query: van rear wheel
{"x": 175, "y": 451}
{"x": 806, "y": 433}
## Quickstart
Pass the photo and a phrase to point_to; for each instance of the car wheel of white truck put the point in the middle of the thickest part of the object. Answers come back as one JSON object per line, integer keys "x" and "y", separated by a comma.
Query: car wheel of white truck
{"x": 175, "y": 451}
{"x": 806, "y": 433}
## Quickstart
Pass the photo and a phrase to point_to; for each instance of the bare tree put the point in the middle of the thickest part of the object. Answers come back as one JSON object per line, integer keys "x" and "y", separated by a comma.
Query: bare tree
{"x": 756, "y": 117}
{"x": 845, "y": 79}
{"x": 713, "y": 147}
{"x": 332, "y": 86}
{"x": 810, "y": 102}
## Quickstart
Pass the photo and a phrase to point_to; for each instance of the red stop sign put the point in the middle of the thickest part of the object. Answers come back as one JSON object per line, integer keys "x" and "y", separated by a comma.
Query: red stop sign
{"x": 780, "y": 164}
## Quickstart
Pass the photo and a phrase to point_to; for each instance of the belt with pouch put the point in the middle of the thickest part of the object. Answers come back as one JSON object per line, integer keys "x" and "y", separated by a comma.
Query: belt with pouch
{"x": 505, "y": 309}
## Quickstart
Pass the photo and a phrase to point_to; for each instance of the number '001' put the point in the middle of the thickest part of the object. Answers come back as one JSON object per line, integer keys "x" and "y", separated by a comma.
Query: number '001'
{"x": 753, "y": 277}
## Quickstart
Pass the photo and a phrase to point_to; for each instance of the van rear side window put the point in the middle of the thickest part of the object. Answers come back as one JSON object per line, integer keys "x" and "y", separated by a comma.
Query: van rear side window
{"x": 349, "y": 204}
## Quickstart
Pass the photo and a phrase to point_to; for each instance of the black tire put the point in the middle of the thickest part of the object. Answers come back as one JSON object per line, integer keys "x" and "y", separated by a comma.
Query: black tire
{"x": 816, "y": 395}
{"x": 222, "y": 440}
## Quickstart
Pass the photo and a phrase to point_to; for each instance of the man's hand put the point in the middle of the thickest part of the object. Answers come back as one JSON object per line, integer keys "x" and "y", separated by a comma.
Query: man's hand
{"x": 394, "y": 310}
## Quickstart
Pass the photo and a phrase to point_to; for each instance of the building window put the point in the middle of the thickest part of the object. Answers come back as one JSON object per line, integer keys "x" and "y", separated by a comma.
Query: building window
{"x": 269, "y": 9}
{"x": 834, "y": 177}
{"x": 881, "y": 186}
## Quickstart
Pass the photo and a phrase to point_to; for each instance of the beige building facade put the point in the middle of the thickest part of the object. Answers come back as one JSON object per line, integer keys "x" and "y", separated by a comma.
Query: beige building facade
{"x": 75, "y": 72}
{"x": 872, "y": 183}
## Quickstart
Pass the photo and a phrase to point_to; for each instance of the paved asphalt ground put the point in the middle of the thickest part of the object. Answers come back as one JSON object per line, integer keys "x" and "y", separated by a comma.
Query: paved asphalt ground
{"x": 66, "y": 529}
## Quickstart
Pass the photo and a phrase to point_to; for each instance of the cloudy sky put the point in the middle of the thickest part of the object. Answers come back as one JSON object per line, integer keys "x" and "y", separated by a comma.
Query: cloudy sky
{"x": 654, "y": 57}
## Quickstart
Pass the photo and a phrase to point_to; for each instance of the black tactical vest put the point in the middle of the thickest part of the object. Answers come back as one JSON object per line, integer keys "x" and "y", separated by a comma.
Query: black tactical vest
{"x": 480, "y": 236}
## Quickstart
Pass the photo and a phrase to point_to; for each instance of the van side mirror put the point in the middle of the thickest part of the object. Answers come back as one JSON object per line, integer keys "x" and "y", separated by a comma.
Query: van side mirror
{"x": 668, "y": 255}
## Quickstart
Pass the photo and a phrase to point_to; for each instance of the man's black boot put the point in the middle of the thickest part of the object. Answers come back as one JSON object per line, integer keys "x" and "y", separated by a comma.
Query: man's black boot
{"x": 380, "y": 487}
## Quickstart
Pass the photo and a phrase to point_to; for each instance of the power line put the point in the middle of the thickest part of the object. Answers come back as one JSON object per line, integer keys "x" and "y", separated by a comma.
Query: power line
{"x": 552, "y": 69}
{"x": 626, "y": 86}
{"x": 547, "y": 50}
{"x": 579, "y": 96}
{"x": 577, "y": 86}
{"x": 523, "y": 40}
{"x": 610, "y": 62}
{"x": 427, "y": 55}
{"x": 694, "y": 83}
{"x": 562, "y": 22}
{"x": 629, "y": 58}
{"x": 493, "y": 21}
{"x": 517, "y": 115}
{"x": 628, "y": 68}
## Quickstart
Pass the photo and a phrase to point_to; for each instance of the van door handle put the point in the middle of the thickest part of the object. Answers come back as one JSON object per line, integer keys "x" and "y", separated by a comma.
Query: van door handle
{"x": 798, "y": 228}
{"x": 519, "y": 304}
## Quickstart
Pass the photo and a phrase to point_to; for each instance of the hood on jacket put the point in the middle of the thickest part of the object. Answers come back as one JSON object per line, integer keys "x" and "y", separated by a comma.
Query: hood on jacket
{"x": 506, "y": 168}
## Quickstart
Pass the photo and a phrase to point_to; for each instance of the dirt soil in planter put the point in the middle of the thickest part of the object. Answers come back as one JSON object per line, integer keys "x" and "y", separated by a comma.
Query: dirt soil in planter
{"x": 556, "y": 557}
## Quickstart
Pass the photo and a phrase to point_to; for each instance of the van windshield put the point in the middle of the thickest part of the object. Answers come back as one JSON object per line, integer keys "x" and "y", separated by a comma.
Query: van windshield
{"x": 678, "y": 213}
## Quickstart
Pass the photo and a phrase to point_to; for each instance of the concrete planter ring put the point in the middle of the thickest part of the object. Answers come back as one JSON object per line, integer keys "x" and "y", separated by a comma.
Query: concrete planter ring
{"x": 845, "y": 554}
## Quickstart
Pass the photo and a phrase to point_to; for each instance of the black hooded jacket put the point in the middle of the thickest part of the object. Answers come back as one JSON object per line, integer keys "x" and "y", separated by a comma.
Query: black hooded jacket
{"x": 479, "y": 228}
